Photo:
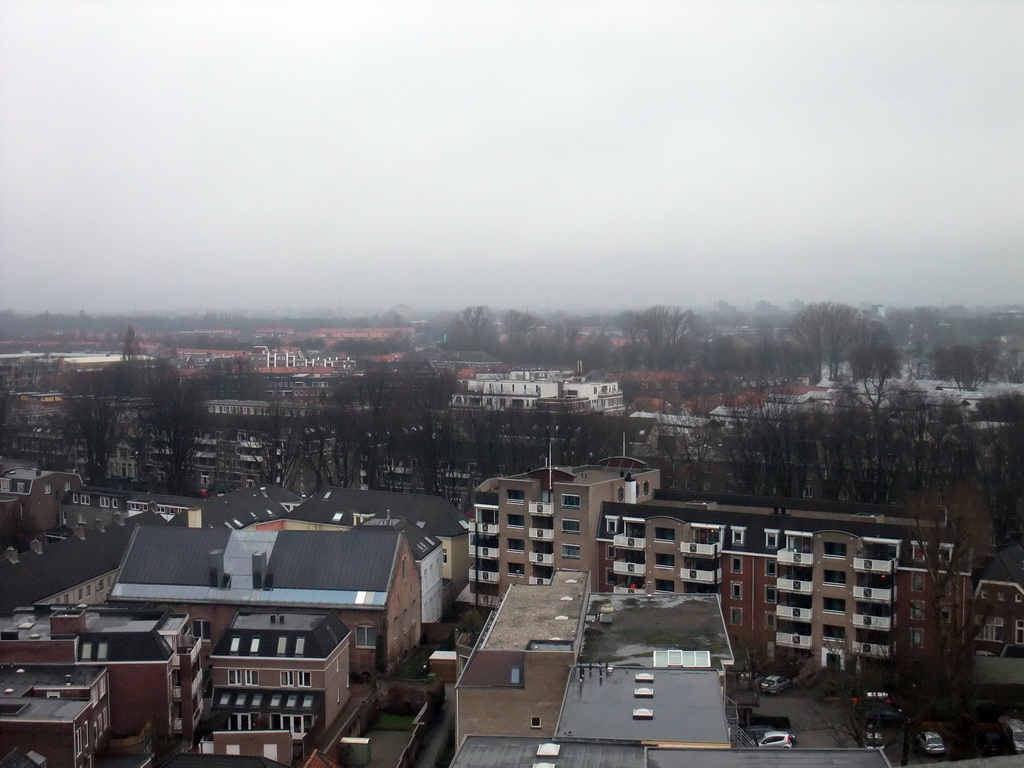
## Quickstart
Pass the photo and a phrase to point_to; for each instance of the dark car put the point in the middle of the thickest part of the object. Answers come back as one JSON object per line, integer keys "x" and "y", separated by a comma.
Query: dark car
{"x": 929, "y": 743}
{"x": 990, "y": 742}
{"x": 880, "y": 713}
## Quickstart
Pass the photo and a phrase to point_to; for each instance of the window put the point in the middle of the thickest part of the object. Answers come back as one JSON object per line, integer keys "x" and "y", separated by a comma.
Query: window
{"x": 770, "y": 596}
{"x": 535, "y": 722}
{"x": 611, "y": 524}
{"x": 665, "y": 534}
{"x": 515, "y": 675}
{"x": 835, "y": 577}
{"x": 84, "y": 498}
{"x": 570, "y": 526}
{"x": 570, "y": 501}
{"x": 917, "y": 582}
{"x": 287, "y": 679}
{"x": 1018, "y": 632}
{"x": 366, "y": 637}
{"x": 736, "y": 590}
{"x": 516, "y": 521}
{"x": 609, "y": 577}
{"x": 235, "y": 676}
{"x": 664, "y": 585}
{"x": 737, "y": 565}
{"x": 664, "y": 561}
{"x": 647, "y": 487}
{"x": 282, "y": 646}
{"x": 834, "y": 605}
{"x": 201, "y": 629}
{"x": 769, "y": 620}
{"x": 113, "y": 503}
{"x": 835, "y": 549}
{"x": 571, "y": 551}
{"x": 254, "y": 646}
{"x": 1017, "y": 598}
{"x": 738, "y": 535}
{"x": 916, "y": 609}
{"x": 770, "y": 568}
{"x": 104, "y": 501}
{"x": 444, "y": 554}
{"x": 304, "y": 679}
{"x": 516, "y": 569}
{"x": 736, "y": 616}
{"x": 916, "y": 637}
{"x": 516, "y": 545}
{"x": 514, "y": 496}
{"x": 771, "y": 539}
{"x": 993, "y": 630}
{"x": 611, "y": 552}
{"x": 235, "y": 642}
{"x": 300, "y": 646}
{"x": 917, "y": 552}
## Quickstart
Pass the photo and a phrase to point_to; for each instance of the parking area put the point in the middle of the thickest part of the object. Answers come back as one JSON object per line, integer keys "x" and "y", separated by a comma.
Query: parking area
{"x": 813, "y": 721}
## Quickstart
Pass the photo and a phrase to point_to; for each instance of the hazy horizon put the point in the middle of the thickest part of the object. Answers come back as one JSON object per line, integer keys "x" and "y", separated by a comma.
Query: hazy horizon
{"x": 221, "y": 155}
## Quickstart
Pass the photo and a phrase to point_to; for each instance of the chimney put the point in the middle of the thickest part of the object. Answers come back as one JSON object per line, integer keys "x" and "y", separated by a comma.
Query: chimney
{"x": 39, "y": 472}
{"x": 37, "y": 546}
{"x": 631, "y": 489}
{"x": 11, "y": 554}
{"x": 216, "y": 567}
{"x": 99, "y": 525}
{"x": 80, "y": 531}
{"x": 67, "y": 623}
{"x": 259, "y": 569}
{"x": 119, "y": 518}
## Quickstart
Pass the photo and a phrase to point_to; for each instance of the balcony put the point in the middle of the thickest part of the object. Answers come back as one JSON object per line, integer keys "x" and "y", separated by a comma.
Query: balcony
{"x": 491, "y": 577}
{"x": 695, "y": 549}
{"x": 701, "y": 576}
{"x": 629, "y": 569}
{"x": 791, "y": 557}
{"x": 792, "y": 640}
{"x": 873, "y": 594}
{"x": 176, "y": 692}
{"x": 870, "y": 565}
{"x": 800, "y": 614}
{"x": 623, "y": 541}
{"x": 489, "y": 552}
{"x": 542, "y": 558}
{"x": 486, "y": 528}
{"x": 542, "y": 534}
{"x": 539, "y": 581}
{"x": 872, "y": 622}
{"x": 543, "y": 508}
{"x": 629, "y": 591}
{"x": 800, "y": 587}
{"x": 872, "y": 649}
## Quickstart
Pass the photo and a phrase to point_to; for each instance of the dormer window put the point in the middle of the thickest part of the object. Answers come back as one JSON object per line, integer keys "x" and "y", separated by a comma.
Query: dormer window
{"x": 235, "y": 643}
{"x": 738, "y": 536}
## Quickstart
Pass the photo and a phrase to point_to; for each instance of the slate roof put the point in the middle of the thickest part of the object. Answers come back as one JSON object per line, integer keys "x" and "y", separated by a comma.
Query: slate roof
{"x": 1007, "y": 566}
{"x": 220, "y": 761}
{"x": 335, "y": 506}
{"x": 420, "y": 542}
{"x": 282, "y": 700}
{"x": 321, "y": 635}
{"x": 18, "y": 759}
{"x": 247, "y": 506}
{"x": 308, "y": 568}
{"x": 69, "y": 562}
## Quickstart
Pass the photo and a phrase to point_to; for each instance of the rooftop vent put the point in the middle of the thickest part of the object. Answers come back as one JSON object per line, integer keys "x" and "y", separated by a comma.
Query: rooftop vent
{"x": 643, "y": 693}
{"x": 566, "y": 598}
{"x": 548, "y": 750}
{"x": 643, "y": 714}
{"x": 644, "y": 677}
{"x": 561, "y": 618}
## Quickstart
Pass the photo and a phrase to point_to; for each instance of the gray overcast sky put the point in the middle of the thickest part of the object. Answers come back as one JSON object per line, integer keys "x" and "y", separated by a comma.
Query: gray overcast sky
{"x": 518, "y": 154}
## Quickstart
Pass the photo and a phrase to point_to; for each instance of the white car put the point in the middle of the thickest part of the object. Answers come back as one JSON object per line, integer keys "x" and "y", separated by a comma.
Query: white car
{"x": 777, "y": 740}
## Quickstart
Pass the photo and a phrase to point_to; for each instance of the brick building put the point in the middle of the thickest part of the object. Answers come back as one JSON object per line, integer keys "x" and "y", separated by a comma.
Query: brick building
{"x": 527, "y": 526}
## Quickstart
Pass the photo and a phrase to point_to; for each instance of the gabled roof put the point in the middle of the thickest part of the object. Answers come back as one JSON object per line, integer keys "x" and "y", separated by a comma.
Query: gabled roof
{"x": 247, "y": 506}
{"x": 69, "y": 562}
{"x": 308, "y": 568}
{"x": 420, "y": 542}
{"x": 1007, "y": 566}
{"x": 336, "y": 506}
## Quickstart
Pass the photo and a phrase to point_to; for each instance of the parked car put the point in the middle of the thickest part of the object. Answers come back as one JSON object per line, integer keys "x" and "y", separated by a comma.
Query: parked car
{"x": 777, "y": 740}
{"x": 879, "y": 713}
{"x": 1013, "y": 732}
{"x": 929, "y": 743}
{"x": 773, "y": 684}
{"x": 990, "y": 740}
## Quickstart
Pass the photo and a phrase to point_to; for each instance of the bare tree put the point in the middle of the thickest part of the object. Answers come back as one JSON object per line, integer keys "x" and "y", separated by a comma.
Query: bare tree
{"x": 95, "y": 414}
{"x": 874, "y": 366}
{"x": 826, "y": 331}
{"x": 519, "y": 328}
{"x": 967, "y": 365}
{"x": 474, "y": 329}
{"x": 175, "y": 418}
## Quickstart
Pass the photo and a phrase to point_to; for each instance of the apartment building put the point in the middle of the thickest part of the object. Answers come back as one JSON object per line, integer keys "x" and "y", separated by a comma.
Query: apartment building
{"x": 539, "y": 391}
{"x": 1000, "y": 592}
{"x": 30, "y": 501}
{"x": 826, "y": 585}
{"x": 276, "y": 672}
{"x": 527, "y": 526}
{"x": 59, "y": 711}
